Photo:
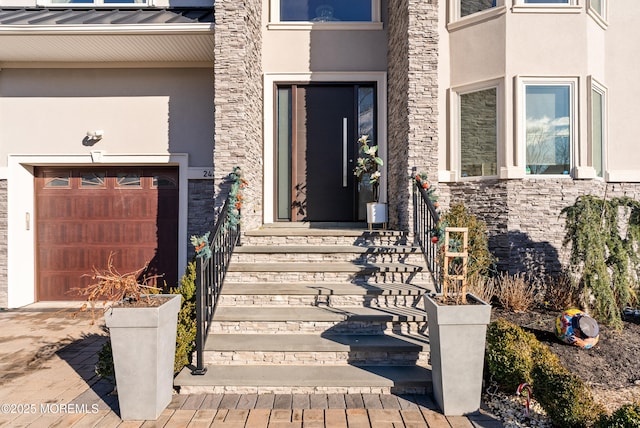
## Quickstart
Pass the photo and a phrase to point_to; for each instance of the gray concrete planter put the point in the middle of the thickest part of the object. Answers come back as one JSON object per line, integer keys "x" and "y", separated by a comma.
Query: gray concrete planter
{"x": 457, "y": 335}
{"x": 144, "y": 345}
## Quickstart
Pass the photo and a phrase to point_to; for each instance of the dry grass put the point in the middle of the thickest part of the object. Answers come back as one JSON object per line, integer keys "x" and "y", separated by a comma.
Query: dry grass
{"x": 561, "y": 292}
{"x": 482, "y": 287}
{"x": 514, "y": 292}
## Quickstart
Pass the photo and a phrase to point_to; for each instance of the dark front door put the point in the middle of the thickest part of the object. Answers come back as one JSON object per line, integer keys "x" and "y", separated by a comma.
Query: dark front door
{"x": 318, "y": 129}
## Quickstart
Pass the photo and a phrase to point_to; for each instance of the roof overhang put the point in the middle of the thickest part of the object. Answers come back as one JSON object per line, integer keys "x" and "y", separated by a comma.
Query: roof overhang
{"x": 145, "y": 38}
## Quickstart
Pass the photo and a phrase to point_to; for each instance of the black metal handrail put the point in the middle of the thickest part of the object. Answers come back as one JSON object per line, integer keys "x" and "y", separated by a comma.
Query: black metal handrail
{"x": 425, "y": 221}
{"x": 210, "y": 273}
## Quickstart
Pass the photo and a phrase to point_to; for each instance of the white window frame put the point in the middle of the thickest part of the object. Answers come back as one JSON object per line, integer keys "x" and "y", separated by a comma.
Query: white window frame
{"x": 276, "y": 24}
{"x": 572, "y": 6}
{"x": 455, "y": 142}
{"x": 521, "y": 120}
{"x": 600, "y": 17}
{"x": 456, "y": 21}
{"x": 596, "y": 86}
{"x": 99, "y": 3}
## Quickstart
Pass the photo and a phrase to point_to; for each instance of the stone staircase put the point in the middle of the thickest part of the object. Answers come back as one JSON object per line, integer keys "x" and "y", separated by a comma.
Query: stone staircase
{"x": 319, "y": 310}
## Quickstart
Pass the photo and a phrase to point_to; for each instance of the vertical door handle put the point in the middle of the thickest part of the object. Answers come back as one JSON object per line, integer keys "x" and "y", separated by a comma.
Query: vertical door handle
{"x": 344, "y": 152}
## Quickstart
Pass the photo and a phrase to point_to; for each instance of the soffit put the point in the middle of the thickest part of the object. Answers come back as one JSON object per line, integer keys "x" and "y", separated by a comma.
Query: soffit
{"x": 102, "y": 35}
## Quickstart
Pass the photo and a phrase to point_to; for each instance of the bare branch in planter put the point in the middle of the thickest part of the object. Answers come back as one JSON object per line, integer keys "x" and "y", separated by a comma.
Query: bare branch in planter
{"x": 111, "y": 287}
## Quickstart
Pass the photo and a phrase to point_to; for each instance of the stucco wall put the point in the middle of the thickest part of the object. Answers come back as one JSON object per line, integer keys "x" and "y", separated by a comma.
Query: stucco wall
{"x": 238, "y": 102}
{"x": 413, "y": 98}
{"x": 3, "y": 244}
{"x": 49, "y": 111}
{"x": 622, "y": 44}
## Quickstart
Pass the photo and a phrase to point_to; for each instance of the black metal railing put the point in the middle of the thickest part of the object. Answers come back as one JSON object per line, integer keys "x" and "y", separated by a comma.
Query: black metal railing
{"x": 425, "y": 222}
{"x": 210, "y": 272}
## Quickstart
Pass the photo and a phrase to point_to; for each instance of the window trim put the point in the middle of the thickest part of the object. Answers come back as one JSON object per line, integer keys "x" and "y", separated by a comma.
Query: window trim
{"x": 599, "y": 18}
{"x": 455, "y": 21}
{"x": 276, "y": 24}
{"x": 572, "y": 6}
{"x": 596, "y": 86}
{"x": 95, "y": 3}
{"x": 521, "y": 121}
{"x": 454, "y": 166}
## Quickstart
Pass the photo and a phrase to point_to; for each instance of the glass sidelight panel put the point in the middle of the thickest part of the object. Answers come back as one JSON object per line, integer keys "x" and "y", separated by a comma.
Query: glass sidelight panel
{"x": 283, "y": 153}
{"x": 366, "y": 126}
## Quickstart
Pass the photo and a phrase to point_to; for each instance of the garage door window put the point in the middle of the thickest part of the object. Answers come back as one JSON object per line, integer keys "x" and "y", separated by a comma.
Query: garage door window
{"x": 93, "y": 180}
{"x": 129, "y": 180}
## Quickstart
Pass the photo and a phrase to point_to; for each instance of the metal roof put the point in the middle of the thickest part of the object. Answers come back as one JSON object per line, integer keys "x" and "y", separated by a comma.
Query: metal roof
{"x": 102, "y": 16}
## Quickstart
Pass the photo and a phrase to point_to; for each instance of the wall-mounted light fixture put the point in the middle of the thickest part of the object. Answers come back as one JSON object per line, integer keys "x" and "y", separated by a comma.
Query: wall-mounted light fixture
{"x": 95, "y": 135}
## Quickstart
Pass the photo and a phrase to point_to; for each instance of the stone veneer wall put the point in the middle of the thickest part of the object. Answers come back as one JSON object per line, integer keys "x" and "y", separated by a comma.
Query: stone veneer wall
{"x": 412, "y": 101}
{"x": 523, "y": 216}
{"x": 201, "y": 214}
{"x": 4, "y": 282}
{"x": 238, "y": 102}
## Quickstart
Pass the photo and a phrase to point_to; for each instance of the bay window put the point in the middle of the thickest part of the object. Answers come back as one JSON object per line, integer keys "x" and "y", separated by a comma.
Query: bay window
{"x": 478, "y": 133}
{"x": 547, "y": 126}
{"x": 598, "y": 121}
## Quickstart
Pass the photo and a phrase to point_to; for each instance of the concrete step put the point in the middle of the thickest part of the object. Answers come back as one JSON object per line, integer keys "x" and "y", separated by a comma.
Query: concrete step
{"x": 325, "y": 349}
{"x": 313, "y": 294}
{"x": 317, "y": 343}
{"x": 295, "y": 314}
{"x": 307, "y": 379}
{"x": 328, "y": 253}
{"x": 295, "y": 235}
{"x": 344, "y": 267}
{"x": 324, "y": 289}
{"x": 310, "y": 319}
{"x": 326, "y": 271}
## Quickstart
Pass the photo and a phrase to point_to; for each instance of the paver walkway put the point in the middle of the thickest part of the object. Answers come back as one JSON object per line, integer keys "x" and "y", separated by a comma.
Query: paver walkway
{"x": 47, "y": 379}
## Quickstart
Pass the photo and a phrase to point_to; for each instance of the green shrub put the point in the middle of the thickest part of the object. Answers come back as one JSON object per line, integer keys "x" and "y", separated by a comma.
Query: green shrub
{"x": 186, "y": 333}
{"x": 509, "y": 354}
{"x": 563, "y": 395}
{"x": 104, "y": 366}
{"x": 627, "y": 416}
{"x": 515, "y": 356}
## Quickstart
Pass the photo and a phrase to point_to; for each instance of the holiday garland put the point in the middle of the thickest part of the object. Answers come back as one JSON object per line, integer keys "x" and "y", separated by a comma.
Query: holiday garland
{"x": 437, "y": 233}
{"x": 232, "y": 219}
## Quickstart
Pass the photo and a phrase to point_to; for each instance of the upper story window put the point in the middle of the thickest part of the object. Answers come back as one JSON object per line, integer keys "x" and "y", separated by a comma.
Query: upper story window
{"x": 327, "y": 14}
{"x": 470, "y": 7}
{"x": 547, "y": 6}
{"x": 548, "y": 125}
{"x": 546, "y": 1}
{"x": 597, "y": 9}
{"x": 467, "y": 12}
{"x": 325, "y": 10}
{"x": 99, "y": 2}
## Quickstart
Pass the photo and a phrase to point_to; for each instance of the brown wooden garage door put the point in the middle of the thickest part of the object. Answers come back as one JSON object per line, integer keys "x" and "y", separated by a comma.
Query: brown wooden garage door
{"x": 85, "y": 214}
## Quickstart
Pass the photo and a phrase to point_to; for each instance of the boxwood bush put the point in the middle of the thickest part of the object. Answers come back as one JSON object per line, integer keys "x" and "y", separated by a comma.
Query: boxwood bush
{"x": 627, "y": 416}
{"x": 515, "y": 356}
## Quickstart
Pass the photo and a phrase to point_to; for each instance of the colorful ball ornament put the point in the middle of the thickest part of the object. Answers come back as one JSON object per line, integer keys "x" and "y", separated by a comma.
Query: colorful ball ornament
{"x": 577, "y": 328}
